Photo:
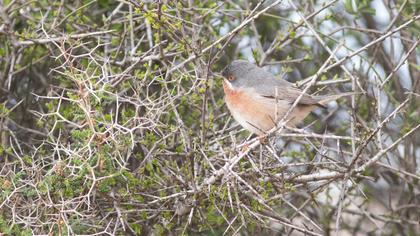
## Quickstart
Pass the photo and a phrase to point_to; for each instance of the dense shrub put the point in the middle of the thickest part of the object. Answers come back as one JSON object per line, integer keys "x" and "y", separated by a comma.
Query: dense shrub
{"x": 113, "y": 120}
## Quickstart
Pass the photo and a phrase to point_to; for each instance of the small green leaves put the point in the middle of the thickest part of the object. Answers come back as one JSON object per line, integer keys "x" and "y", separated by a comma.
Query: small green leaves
{"x": 356, "y": 7}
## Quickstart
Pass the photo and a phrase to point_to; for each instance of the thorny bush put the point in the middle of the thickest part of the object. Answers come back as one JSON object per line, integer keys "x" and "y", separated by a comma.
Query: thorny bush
{"x": 112, "y": 118}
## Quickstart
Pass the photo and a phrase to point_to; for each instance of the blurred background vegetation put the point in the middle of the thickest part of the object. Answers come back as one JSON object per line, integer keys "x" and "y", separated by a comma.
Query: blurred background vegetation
{"x": 112, "y": 118}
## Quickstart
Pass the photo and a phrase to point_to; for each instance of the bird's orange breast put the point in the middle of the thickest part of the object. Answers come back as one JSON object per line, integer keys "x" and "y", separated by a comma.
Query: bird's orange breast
{"x": 233, "y": 97}
{"x": 253, "y": 116}
{"x": 257, "y": 114}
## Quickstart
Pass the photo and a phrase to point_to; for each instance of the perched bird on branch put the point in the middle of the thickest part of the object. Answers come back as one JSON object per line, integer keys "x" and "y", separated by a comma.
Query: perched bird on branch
{"x": 258, "y": 100}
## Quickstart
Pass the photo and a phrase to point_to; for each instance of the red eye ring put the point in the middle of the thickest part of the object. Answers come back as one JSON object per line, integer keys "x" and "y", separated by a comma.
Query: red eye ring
{"x": 231, "y": 78}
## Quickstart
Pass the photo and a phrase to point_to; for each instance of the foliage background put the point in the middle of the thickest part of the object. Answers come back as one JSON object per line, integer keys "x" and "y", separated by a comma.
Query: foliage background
{"x": 112, "y": 118}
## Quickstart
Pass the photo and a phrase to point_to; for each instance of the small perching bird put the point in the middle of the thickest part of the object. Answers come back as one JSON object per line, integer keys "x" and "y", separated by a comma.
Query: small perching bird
{"x": 258, "y": 100}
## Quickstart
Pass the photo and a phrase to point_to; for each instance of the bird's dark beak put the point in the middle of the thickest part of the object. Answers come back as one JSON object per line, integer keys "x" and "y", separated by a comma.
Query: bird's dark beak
{"x": 218, "y": 76}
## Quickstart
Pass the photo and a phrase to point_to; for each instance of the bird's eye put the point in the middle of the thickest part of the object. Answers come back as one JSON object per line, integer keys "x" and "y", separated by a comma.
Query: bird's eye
{"x": 231, "y": 78}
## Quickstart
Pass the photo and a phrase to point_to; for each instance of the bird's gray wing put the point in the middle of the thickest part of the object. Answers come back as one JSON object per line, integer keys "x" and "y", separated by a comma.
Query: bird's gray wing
{"x": 280, "y": 89}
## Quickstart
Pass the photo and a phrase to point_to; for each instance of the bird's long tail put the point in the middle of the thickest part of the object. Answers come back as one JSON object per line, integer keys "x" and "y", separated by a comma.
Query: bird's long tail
{"x": 323, "y": 100}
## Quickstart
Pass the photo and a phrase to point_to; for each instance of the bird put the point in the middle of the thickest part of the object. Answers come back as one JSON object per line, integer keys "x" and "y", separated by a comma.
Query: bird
{"x": 258, "y": 100}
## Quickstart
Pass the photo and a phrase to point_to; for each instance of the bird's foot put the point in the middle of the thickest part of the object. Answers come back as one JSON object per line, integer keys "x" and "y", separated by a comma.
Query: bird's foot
{"x": 263, "y": 139}
{"x": 244, "y": 148}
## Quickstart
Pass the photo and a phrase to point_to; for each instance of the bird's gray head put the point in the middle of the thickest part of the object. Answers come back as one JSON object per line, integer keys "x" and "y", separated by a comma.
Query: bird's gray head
{"x": 243, "y": 74}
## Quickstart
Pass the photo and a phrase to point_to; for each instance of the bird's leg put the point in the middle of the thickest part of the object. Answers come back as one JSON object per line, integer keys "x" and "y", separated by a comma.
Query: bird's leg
{"x": 245, "y": 146}
{"x": 262, "y": 138}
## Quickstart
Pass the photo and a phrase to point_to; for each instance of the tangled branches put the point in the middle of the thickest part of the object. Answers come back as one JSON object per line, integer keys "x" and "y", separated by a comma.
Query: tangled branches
{"x": 113, "y": 121}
